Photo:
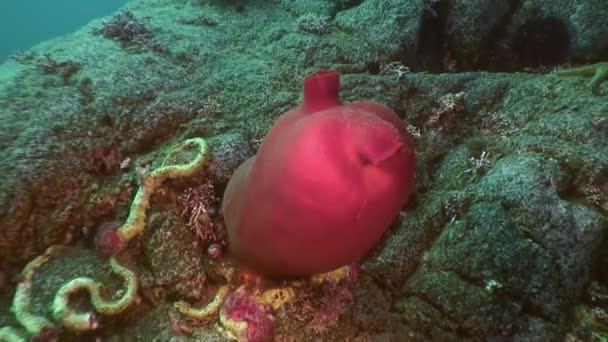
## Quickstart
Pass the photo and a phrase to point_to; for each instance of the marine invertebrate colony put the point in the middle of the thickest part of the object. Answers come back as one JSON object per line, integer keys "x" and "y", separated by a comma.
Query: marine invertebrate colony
{"x": 109, "y": 243}
{"x": 327, "y": 181}
{"x": 245, "y": 319}
{"x": 198, "y": 207}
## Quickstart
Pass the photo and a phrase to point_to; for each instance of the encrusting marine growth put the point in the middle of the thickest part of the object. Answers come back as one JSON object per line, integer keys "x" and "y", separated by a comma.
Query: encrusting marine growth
{"x": 362, "y": 157}
{"x": 82, "y": 321}
{"x": 38, "y": 326}
{"x": 114, "y": 240}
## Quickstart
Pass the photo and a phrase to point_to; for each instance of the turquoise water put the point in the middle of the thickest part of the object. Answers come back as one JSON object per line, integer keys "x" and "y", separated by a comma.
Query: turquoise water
{"x": 24, "y": 23}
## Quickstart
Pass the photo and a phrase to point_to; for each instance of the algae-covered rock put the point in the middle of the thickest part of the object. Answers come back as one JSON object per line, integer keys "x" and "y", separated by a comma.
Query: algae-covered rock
{"x": 504, "y": 237}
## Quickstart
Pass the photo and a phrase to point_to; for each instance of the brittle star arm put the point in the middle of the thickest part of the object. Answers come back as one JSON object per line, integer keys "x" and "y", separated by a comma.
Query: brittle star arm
{"x": 598, "y": 73}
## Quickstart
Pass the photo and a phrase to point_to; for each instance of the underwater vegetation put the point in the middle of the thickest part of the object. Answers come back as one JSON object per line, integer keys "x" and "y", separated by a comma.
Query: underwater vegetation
{"x": 124, "y": 27}
{"x": 165, "y": 175}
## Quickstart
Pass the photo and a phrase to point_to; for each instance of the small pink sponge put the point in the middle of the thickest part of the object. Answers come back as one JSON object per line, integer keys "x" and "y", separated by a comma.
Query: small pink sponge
{"x": 327, "y": 182}
{"x": 107, "y": 240}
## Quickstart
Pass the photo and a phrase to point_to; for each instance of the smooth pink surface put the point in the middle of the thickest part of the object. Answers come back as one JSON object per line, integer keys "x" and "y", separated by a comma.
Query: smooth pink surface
{"x": 326, "y": 183}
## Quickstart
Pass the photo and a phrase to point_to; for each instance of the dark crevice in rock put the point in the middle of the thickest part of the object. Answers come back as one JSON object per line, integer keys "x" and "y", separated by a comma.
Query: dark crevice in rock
{"x": 431, "y": 39}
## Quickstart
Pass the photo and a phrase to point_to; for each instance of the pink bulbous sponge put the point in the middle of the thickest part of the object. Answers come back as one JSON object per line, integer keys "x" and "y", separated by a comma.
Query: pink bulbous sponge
{"x": 326, "y": 183}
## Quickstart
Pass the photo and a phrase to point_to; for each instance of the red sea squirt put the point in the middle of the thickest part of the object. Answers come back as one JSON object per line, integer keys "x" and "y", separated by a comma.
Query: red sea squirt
{"x": 326, "y": 183}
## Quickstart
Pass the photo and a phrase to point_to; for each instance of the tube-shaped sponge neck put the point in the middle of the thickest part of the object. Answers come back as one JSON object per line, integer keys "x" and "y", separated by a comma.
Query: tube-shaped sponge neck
{"x": 321, "y": 91}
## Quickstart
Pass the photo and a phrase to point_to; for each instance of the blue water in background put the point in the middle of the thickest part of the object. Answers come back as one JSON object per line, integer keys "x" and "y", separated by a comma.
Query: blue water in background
{"x": 24, "y": 23}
